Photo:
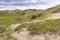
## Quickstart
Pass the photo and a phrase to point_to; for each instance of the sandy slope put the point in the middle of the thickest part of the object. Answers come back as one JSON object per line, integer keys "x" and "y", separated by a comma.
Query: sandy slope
{"x": 55, "y": 16}
{"x": 24, "y": 33}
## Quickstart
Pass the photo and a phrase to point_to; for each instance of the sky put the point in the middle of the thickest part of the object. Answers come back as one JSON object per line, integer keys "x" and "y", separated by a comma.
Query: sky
{"x": 27, "y": 4}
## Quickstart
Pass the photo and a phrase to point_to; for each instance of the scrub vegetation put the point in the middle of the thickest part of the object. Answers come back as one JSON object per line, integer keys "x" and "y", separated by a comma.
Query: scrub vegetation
{"x": 9, "y": 17}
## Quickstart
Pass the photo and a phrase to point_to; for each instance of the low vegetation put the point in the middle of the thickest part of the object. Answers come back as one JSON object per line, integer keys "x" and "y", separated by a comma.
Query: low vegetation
{"x": 45, "y": 26}
{"x": 8, "y": 17}
{"x": 42, "y": 27}
{"x": 5, "y": 33}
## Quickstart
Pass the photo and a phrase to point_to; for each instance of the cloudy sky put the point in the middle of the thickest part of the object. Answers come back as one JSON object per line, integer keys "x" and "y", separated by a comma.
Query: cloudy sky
{"x": 27, "y": 4}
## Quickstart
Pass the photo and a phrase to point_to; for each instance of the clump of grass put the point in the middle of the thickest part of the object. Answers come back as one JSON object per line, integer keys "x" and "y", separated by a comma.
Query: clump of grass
{"x": 42, "y": 27}
{"x": 21, "y": 27}
{"x": 46, "y": 26}
{"x": 5, "y": 33}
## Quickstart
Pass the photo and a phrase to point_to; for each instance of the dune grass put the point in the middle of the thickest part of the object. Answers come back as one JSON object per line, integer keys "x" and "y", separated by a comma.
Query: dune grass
{"x": 42, "y": 27}
{"x": 5, "y": 33}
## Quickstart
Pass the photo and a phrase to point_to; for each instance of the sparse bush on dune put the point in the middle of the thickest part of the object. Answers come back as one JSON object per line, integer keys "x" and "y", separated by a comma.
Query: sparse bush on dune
{"x": 47, "y": 26}
{"x": 5, "y": 33}
{"x": 42, "y": 27}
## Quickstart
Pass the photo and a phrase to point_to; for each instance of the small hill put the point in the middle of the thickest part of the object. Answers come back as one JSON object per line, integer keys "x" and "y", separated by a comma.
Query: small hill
{"x": 55, "y": 9}
{"x": 17, "y": 15}
{"x": 49, "y": 11}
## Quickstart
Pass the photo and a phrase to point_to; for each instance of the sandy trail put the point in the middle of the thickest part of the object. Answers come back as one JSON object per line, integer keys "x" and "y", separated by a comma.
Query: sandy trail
{"x": 53, "y": 16}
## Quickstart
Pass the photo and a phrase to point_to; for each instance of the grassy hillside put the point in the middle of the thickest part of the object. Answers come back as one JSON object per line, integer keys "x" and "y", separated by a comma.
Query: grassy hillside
{"x": 18, "y": 16}
{"x": 55, "y": 9}
{"x": 8, "y": 17}
{"x": 42, "y": 27}
{"x": 47, "y": 12}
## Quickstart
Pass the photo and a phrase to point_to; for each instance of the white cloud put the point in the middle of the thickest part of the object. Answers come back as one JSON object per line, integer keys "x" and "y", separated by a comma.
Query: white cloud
{"x": 50, "y": 3}
{"x": 12, "y": 2}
